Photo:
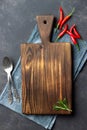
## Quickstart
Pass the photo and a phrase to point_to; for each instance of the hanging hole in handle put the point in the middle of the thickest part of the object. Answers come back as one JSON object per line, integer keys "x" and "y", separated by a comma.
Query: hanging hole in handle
{"x": 45, "y": 22}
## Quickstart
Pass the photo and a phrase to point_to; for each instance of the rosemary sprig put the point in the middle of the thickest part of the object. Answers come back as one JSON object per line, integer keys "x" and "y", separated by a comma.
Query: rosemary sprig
{"x": 62, "y": 105}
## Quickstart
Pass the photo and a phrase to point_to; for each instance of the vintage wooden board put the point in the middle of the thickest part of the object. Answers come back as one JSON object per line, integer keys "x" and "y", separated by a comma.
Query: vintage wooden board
{"x": 46, "y": 72}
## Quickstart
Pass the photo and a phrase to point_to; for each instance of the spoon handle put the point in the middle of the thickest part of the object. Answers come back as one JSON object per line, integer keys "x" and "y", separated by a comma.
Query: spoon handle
{"x": 10, "y": 98}
{"x": 15, "y": 93}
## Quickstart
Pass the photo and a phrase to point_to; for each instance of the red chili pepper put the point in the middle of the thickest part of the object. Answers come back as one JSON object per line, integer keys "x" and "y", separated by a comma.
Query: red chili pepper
{"x": 71, "y": 34}
{"x": 62, "y": 33}
{"x": 66, "y": 18}
{"x": 71, "y": 29}
{"x": 75, "y": 42}
{"x": 60, "y": 19}
{"x": 76, "y": 33}
{"x": 61, "y": 16}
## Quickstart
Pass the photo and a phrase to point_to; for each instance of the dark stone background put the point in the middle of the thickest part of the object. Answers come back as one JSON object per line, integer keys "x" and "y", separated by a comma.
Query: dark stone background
{"x": 17, "y": 19}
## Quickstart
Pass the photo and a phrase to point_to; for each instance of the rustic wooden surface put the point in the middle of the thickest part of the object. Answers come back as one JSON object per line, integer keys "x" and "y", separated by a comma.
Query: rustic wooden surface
{"x": 45, "y": 77}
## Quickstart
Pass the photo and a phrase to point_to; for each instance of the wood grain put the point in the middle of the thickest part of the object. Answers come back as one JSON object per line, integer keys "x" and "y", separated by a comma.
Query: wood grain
{"x": 46, "y": 73}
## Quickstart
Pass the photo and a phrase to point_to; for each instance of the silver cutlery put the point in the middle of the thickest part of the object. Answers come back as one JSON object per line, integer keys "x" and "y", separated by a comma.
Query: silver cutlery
{"x": 12, "y": 91}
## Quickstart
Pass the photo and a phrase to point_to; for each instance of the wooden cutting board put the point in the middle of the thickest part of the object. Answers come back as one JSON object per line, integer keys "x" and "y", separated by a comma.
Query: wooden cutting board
{"x": 46, "y": 72}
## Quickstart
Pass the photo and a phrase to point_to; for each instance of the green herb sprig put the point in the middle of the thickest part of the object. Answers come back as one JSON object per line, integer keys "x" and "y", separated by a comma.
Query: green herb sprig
{"x": 62, "y": 105}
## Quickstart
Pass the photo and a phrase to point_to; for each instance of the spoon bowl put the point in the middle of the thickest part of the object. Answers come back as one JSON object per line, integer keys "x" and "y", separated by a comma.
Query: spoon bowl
{"x": 7, "y": 65}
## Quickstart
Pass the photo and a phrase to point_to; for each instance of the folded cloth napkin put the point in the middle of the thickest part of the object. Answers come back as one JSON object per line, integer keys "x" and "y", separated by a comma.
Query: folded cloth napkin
{"x": 79, "y": 58}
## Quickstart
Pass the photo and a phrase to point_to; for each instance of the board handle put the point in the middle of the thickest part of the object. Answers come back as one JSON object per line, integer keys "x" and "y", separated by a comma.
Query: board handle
{"x": 45, "y": 24}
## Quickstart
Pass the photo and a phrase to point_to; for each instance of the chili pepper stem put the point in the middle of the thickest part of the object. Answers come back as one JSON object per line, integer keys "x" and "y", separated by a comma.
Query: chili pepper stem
{"x": 77, "y": 46}
{"x": 56, "y": 28}
{"x": 73, "y": 10}
{"x": 57, "y": 39}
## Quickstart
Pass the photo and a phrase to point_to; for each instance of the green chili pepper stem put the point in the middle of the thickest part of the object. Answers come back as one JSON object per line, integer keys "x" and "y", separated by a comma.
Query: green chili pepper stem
{"x": 73, "y": 10}
{"x": 56, "y": 28}
{"x": 57, "y": 39}
{"x": 77, "y": 46}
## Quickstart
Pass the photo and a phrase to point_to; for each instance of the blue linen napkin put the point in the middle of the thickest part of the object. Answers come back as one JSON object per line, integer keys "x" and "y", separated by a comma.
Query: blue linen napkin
{"x": 79, "y": 58}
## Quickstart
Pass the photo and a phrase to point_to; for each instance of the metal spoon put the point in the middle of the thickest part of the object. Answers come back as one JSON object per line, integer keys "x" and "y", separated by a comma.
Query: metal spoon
{"x": 8, "y": 67}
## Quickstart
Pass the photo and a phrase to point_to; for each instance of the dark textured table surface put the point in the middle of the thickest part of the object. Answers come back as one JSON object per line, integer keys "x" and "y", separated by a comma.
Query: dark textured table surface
{"x": 17, "y": 19}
